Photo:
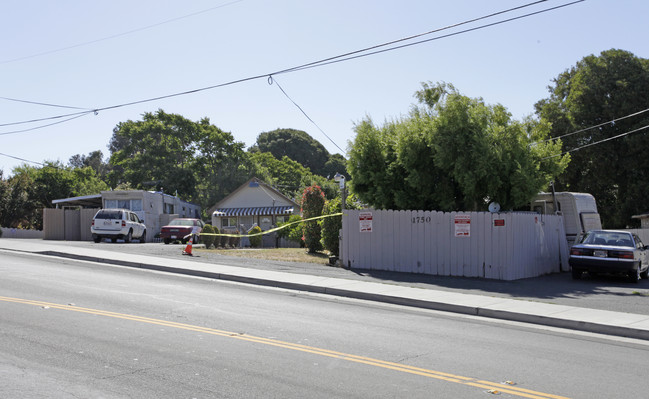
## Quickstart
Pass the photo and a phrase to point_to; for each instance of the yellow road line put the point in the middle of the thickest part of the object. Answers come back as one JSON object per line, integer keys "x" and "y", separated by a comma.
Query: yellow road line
{"x": 468, "y": 381}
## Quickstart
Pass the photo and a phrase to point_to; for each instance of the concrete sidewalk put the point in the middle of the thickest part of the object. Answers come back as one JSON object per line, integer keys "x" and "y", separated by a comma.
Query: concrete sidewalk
{"x": 576, "y": 318}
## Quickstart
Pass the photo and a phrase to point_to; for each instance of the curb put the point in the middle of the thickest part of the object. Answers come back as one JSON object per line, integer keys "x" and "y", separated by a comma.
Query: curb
{"x": 498, "y": 310}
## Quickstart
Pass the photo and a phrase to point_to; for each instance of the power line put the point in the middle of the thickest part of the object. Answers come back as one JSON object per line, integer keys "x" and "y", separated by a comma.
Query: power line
{"x": 599, "y": 142}
{"x": 22, "y": 159}
{"x": 591, "y": 127}
{"x": 329, "y": 60}
{"x": 326, "y": 61}
{"x": 118, "y": 34}
{"x": 271, "y": 81}
{"x": 49, "y": 124}
{"x": 39, "y": 103}
{"x": 343, "y": 58}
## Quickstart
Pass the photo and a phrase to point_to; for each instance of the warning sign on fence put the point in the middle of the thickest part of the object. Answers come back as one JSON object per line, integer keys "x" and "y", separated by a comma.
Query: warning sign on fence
{"x": 365, "y": 221}
{"x": 462, "y": 225}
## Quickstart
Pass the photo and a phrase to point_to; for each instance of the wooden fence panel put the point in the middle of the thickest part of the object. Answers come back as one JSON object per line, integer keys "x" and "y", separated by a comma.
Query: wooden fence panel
{"x": 53, "y": 224}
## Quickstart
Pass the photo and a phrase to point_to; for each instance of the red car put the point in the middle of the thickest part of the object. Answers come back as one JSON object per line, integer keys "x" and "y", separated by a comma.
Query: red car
{"x": 180, "y": 229}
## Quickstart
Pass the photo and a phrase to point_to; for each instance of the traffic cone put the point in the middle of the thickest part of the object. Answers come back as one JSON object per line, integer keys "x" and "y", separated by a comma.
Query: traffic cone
{"x": 188, "y": 248}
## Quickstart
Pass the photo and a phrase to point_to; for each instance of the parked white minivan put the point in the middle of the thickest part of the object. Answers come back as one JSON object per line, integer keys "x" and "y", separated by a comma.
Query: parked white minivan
{"x": 117, "y": 224}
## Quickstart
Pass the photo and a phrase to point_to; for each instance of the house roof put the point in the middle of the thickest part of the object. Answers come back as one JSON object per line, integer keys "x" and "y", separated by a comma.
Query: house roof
{"x": 265, "y": 192}
{"x": 86, "y": 201}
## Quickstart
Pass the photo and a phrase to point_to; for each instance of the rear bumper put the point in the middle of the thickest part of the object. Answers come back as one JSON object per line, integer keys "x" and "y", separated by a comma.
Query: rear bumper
{"x": 603, "y": 265}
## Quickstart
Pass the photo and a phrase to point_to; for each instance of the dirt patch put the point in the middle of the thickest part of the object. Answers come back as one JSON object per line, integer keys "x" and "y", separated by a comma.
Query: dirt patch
{"x": 276, "y": 254}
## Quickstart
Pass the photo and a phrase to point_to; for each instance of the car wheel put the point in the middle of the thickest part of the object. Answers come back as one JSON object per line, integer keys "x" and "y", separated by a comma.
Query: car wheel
{"x": 167, "y": 240}
{"x": 128, "y": 237}
{"x": 576, "y": 274}
{"x": 143, "y": 237}
{"x": 97, "y": 240}
{"x": 634, "y": 275}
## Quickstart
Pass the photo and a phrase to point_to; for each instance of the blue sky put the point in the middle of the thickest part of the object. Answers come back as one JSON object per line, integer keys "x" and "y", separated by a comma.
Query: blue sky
{"x": 99, "y": 54}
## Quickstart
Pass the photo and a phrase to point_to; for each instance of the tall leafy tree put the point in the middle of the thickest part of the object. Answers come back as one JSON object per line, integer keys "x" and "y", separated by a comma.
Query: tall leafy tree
{"x": 31, "y": 189}
{"x": 94, "y": 160}
{"x": 596, "y": 90}
{"x": 295, "y": 144}
{"x": 168, "y": 152}
{"x": 451, "y": 153}
{"x": 313, "y": 200}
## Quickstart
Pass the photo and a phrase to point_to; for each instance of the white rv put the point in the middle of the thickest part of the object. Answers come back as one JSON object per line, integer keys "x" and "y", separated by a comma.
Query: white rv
{"x": 579, "y": 212}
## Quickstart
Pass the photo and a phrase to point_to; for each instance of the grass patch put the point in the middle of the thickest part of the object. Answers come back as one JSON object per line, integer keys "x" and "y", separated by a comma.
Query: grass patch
{"x": 640, "y": 293}
{"x": 276, "y": 254}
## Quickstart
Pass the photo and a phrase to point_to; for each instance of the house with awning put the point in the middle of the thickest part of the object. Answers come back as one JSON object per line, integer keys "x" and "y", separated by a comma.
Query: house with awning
{"x": 253, "y": 203}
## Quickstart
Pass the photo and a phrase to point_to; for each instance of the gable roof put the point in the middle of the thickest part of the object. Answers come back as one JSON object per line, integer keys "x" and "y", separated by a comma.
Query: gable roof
{"x": 255, "y": 194}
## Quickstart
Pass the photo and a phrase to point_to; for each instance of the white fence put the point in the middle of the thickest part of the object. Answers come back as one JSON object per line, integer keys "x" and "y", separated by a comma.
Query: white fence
{"x": 504, "y": 246}
{"x": 8, "y": 232}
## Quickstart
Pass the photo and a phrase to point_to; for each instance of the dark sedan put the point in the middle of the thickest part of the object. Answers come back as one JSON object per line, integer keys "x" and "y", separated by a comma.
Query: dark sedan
{"x": 610, "y": 251}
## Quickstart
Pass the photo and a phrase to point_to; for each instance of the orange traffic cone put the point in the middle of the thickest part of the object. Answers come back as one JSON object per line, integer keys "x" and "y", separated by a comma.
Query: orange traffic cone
{"x": 188, "y": 248}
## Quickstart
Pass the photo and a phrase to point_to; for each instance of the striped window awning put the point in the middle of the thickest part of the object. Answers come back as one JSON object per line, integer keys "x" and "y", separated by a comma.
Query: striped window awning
{"x": 254, "y": 211}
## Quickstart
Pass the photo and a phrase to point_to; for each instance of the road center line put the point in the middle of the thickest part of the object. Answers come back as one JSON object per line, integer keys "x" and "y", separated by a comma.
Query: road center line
{"x": 468, "y": 381}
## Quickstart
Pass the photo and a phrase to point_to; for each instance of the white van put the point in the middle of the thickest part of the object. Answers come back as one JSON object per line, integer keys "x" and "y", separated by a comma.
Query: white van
{"x": 579, "y": 212}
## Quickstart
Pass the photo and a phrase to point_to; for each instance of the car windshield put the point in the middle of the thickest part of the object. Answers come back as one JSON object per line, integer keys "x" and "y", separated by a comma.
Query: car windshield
{"x": 619, "y": 239}
{"x": 109, "y": 215}
{"x": 181, "y": 222}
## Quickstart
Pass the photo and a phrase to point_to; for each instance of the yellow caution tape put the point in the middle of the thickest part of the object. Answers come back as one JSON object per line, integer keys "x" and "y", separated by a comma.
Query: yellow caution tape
{"x": 271, "y": 230}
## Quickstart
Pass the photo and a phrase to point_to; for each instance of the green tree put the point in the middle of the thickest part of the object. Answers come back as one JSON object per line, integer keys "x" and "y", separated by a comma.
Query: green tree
{"x": 288, "y": 176}
{"x": 293, "y": 230}
{"x": 295, "y": 144}
{"x": 5, "y": 191}
{"x": 331, "y": 226}
{"x": 170, "y": 153}
{"x": 31, "y": 189}
{"x": 94, "y": 160}
{"x": 313, "y": 201}
{"x": 596, "y": 90}
{"x": 451, "y": 153}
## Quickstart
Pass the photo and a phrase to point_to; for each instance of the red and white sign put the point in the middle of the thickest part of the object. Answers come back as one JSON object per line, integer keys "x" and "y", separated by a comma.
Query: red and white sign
{"x": 462, "y": 225}
{"x": 499, "y": 222}
{"x": 365, "y": 221}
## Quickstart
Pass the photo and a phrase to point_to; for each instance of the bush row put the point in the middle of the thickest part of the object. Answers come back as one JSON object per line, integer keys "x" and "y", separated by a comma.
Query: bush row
{"x": 219, "y": 241}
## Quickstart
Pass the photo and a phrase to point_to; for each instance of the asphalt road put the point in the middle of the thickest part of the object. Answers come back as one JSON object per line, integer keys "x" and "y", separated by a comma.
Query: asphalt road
{"x": 72, "y": 329}
{"x": 602, "y": 292}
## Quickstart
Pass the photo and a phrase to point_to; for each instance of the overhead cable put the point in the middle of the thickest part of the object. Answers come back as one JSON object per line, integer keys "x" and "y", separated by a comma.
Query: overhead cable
{"x": 117, "y": 35}
{"x": 271, "y": 81}
{"x": 49, "y": 124}
{"x": 599, "y": 142}
{"x": 326, "y": 61}
{"x": 43, "y": 104}
{"x": 22, "y": 159}
{"x": 591, "y": 127}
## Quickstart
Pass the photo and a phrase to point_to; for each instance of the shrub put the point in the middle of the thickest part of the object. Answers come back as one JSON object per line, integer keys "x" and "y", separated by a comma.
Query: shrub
{"x": 255, "y": 241}
{"x": 331, "y": 226}
{"x": 292, "y": 232}
{"x": 208, "y": 239}
{"x": 313, "y": 200}
{"x": 234, "y": 241}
